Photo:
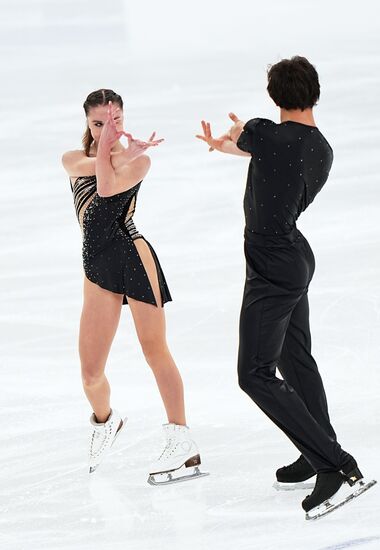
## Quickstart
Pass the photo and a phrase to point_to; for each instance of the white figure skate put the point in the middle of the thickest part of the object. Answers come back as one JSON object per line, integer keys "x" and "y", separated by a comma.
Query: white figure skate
{"x": 180, "y": 459}
{"x": 103, "y": 436}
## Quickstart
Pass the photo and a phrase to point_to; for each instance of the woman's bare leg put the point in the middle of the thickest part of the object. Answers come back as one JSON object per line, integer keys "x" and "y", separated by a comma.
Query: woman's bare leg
{"x": 98, "y": 324}
{"x": 151, "y": 330}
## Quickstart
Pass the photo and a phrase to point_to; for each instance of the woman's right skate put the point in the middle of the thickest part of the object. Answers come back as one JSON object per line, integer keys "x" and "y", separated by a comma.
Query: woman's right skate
{"x": 180, "y": 459}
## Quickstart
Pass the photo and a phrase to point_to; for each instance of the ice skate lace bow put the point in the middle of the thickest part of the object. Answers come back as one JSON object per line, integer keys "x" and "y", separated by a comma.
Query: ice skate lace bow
{"x": 100, "y": 438}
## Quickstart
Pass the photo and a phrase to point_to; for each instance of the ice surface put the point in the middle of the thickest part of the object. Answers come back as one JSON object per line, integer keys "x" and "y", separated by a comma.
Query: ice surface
{"x": 175, "y": 63}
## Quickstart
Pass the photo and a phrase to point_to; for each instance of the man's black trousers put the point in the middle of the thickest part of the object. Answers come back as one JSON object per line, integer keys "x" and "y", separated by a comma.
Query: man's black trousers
{"x": 274, "y": 333}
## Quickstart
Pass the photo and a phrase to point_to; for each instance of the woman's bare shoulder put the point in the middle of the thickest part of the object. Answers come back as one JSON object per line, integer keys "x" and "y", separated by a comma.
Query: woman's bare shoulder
{"x": 72, "y": 156}
{"x": 76, "y": 163}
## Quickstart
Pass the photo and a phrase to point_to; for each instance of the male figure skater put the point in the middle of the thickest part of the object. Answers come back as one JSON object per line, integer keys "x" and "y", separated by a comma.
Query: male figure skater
{"x": 290, "y": 163}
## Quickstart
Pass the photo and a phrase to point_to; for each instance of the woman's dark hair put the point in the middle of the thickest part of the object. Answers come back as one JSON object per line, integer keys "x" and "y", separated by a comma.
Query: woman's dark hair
{"x": 94, "y": 99}
{"x": 293, "y": 83}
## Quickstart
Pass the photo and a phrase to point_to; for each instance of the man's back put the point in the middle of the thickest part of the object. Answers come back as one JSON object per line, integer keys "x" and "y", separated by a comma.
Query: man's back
{"x": 290, "y": 164}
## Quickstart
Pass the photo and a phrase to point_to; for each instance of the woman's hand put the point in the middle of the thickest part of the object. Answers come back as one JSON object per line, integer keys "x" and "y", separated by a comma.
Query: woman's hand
{"x": 137, "y": 147}
{"x": 110, "y": 135}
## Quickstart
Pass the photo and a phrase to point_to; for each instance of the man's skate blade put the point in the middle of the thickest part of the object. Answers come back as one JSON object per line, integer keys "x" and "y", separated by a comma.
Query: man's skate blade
{"x": 170, "y": 478}
{"x": 279, "y": 486}
{"x": 330, "y": 506}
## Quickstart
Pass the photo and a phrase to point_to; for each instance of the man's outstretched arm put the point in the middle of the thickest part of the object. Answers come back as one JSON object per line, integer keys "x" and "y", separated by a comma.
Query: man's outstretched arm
{"x": 227, "y": 142}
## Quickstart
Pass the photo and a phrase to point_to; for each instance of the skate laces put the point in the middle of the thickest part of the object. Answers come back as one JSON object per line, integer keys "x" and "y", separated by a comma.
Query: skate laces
{"x": 172, "y": 445}
{"x": 165, "y": 453}
{"x": 99, "y": 439}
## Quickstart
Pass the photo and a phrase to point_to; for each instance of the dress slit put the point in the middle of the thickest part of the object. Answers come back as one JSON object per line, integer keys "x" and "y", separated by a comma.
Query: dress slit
{"x": 146, "y": 271}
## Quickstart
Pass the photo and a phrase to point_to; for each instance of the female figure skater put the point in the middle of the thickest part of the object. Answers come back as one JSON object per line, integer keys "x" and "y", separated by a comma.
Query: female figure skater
{"x": 121, "y": 267}
{"x": 290, "y": 163}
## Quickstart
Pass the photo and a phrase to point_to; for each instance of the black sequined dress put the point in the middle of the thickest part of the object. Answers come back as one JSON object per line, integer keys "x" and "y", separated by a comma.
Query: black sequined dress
{"x": 110, "y": 257}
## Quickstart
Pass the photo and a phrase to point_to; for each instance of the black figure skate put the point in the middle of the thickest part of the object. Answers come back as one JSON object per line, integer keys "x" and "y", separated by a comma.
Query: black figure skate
{"x": 334, "y": 489}
{"x": 294, "y": 476}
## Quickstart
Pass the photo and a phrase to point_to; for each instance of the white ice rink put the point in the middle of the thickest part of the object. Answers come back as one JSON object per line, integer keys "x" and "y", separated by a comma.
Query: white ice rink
{"x": 175, "y": 63}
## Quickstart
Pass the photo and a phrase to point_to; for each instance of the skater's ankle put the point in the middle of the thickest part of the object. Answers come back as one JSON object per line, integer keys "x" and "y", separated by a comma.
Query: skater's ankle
{"x": 349, "y": 465}
{"x": 177, "y": 422}
{"x": 328, "y": 471}
{"x": 102, "y": 418}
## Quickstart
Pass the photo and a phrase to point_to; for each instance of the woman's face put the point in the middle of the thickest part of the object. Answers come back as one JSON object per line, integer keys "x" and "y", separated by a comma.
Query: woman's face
{"x": 97, "y": 116}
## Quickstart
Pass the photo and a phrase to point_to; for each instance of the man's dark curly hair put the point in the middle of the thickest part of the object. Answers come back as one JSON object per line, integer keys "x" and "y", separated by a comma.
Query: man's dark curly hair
{"x": 293, "y": 83}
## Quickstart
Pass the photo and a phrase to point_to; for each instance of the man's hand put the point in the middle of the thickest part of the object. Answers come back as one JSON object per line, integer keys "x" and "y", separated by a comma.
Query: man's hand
{"x": 213, "y": 143}
{"x": 231, "y": 135}
{"x": 237, "y": 128}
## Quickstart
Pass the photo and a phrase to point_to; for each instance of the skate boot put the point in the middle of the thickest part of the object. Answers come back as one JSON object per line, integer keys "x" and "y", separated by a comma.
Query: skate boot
{"x": 103, "y": 436}
{"x": 334, "y": 489}
{"x": 179, "y": 460}
{"x": 326, "y": 486}
{"x": 293, "y": 476}
{"x": 351, "y": 472}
